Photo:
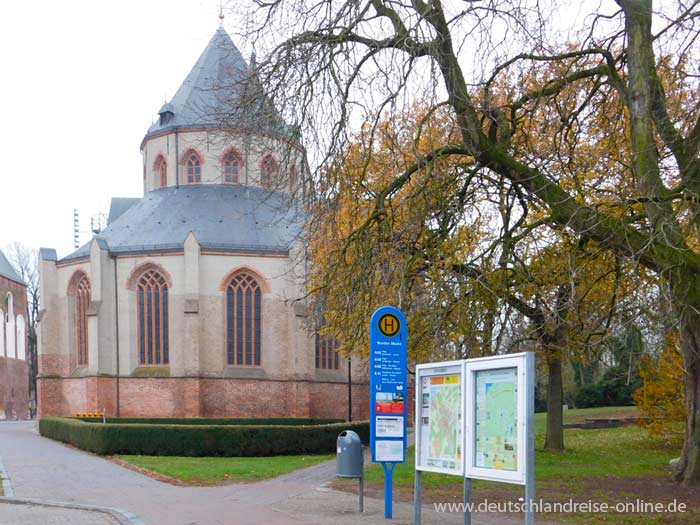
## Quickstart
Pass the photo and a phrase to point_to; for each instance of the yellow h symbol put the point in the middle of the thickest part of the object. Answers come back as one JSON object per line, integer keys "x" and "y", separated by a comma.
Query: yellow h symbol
{"x": 389, "y": 325}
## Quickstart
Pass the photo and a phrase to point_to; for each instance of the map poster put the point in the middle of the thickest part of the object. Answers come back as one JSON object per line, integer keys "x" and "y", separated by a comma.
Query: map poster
{"x": 496, "y": 419}
{"x": 499, "y": 442}
{"x": 439, "y": 406}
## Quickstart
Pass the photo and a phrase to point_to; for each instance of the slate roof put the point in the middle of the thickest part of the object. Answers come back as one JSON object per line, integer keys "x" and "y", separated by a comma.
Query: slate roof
{"x": 118, "y": 206}
{"x": 8, "y": 271}
{"x": 220, "y": 89}
{"x": 225, "y": 217}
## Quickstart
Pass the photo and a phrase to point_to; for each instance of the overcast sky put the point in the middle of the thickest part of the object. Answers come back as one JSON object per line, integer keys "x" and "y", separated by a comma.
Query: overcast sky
{"x": 80, "y": 82}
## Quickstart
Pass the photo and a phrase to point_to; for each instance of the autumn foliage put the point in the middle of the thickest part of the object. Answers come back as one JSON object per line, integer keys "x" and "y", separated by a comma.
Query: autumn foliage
{"x": 661, "y": 400}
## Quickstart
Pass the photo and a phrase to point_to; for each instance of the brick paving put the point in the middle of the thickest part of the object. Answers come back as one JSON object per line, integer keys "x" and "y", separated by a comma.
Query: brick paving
{"x": 44, "y": 469}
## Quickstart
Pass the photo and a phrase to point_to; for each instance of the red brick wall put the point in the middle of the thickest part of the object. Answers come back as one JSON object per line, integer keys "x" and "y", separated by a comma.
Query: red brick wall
{"x": 14, "y": 388}
{"x": 68, "y": 396}
{"x": 200, "y": 397}
{"x": 331, "y": 400}
{"x": 54, "y": 365}
{"x": 14, "y": 374}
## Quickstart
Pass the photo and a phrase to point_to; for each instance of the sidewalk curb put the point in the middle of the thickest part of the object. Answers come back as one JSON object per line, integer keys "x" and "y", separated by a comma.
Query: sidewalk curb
{"x": 6, "y": 485}
{"x": 122, "y": 516}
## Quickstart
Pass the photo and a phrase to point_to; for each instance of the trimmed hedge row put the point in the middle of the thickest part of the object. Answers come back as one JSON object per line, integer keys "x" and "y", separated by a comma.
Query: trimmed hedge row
{"x": 198, "y": 440}
{"x": 213, "y": 421}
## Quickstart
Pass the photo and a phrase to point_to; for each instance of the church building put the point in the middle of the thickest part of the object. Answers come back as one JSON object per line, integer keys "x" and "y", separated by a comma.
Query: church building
{"x": 14, "y": 375}
{"x": 187, "y": 303}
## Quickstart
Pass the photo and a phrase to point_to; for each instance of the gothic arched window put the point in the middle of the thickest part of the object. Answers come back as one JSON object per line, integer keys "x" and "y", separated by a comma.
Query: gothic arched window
{"x": 3, "y": 353}
{"x": 80, "y": 290}
{"x": 268, "y": 172}
{"x": 10, "y": 347}
{"x": 326, "y": 355}
{"x": 161, "y": 172}
{"x": 152, "y": 318}
{"x": 243, "y": 320}
{"x": 21, "y": 338}
{"x": 193, "y": 166}
{"x": 232, "y": 166}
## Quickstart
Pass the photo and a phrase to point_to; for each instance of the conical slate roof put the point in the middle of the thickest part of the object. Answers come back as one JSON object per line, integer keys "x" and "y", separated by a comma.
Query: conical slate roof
{"x": 220, "y": 89}
{"x": 7, "y": 271}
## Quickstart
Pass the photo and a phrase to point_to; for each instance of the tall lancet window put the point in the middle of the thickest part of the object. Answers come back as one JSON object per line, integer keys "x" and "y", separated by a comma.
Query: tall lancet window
{"x": 80, "y": 290}
{"x": 160, "y": 168}
{"x": 326, "y": 356}
{"x": 193, "y": 166}
{"x": 243, "y": 320}
{"x": 3, "y": 353}
{"x": 10, "y": 346}
{"x": 152, "y": 308}
{"x": 231, "y": 167}
{"x": 268, "y": 172}
{"x": 21, "y": 338}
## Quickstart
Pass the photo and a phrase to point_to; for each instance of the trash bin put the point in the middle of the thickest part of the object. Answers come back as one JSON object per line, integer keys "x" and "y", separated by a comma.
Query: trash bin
{"x": 349, "y": 461}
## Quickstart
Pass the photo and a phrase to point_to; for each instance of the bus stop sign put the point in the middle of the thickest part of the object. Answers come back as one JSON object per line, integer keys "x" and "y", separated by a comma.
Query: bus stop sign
{"x": 388, "y": 390}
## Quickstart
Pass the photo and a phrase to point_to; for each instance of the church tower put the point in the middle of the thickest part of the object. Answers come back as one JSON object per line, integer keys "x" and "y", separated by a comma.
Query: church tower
{"x": 220, "y": 128}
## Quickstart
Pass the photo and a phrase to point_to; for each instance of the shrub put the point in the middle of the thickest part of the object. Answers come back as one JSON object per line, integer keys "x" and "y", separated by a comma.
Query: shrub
{"x": 212, "y": 421}
{"x": 590, "y": 396}
{"x": 606, "y": 393}
{"x": 198, "y": 439}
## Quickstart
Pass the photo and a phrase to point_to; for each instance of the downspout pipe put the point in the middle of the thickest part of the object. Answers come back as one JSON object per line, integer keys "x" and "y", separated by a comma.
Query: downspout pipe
{"x": 116, "y": 324}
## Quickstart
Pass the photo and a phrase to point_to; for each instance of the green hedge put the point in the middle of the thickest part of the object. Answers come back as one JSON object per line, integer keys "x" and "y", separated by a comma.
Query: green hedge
{"x": 213, "y": 421}
{"x": 198, "y": 440}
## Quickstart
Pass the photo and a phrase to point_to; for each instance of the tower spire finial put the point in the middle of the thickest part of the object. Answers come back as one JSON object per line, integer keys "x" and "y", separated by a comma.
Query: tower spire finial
{"x": 221, "y": 12}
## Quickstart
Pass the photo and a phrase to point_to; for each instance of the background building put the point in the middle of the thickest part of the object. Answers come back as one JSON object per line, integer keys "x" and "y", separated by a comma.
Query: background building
{"x": 185, "y": 304}
{"x": 14, "y": 375}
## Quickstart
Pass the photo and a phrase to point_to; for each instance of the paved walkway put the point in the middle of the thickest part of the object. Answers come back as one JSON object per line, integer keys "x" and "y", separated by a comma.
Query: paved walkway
{"x": 27, "y": 514}
{"x": 43, "y": 469}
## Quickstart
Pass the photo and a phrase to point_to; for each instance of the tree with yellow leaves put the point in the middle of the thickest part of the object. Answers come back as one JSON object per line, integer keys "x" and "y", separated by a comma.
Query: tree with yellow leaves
{"x": 661, "y": 398}
{"x": 640, "y": 201}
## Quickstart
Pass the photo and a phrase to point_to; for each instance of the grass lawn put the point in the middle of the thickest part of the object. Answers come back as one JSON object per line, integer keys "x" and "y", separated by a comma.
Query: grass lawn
{"x": 218, "y": 470}
{"x": 606, "y": 465}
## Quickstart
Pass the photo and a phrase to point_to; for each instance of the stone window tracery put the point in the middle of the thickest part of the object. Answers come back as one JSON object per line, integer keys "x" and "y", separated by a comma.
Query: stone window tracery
{"x": 243, "y": 320}
{"x": 326, "y": 356}
{"x": 80, "y": 290}
{"x": 268, "y": 172}
{"x": 232, "y": 167}
{"x": 152, "y": 318}
{"x": 161, "y": 171}
{"x": 193, "y": 167}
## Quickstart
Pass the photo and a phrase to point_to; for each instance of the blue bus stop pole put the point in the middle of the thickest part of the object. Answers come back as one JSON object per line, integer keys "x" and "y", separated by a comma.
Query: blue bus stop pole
{"x": 388, "y": 488}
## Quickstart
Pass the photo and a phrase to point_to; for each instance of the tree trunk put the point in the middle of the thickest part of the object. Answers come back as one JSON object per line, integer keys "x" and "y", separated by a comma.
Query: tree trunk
{"x": 689, "y": 466}
{"x": 554, "y": 441}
